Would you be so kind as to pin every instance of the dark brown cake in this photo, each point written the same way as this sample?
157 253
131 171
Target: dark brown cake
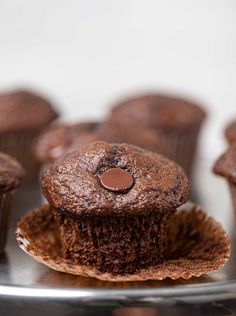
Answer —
23 115
24 110
58 139
63 138
225 166
177 122
230 132
197 245
11 174
112 202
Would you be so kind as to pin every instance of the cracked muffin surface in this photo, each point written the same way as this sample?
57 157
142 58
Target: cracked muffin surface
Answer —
73 184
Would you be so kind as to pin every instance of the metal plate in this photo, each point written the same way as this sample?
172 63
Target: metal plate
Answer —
26 284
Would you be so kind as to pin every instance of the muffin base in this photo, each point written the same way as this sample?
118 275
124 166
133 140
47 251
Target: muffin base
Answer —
19 145
5 202
197 245
115 244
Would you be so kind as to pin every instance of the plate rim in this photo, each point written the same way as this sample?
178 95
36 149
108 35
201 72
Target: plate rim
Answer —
192 290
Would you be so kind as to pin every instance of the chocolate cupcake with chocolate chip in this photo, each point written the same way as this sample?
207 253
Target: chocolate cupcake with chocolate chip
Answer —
177 122
23 115
97 192
225 166
112 215
11 174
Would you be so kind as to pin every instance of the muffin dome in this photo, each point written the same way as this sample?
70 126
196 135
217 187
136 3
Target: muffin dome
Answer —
63 138
226 165
160 111
11 173
58 139
230 132
75 183
23 110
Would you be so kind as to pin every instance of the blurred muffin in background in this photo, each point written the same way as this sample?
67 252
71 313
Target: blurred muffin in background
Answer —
230 132
11 174
60 139
176 121
23 115
225 166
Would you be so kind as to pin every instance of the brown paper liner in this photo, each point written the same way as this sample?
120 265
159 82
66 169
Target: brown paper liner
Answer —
5 202
232 187
19 145
197 245
180 147
111 243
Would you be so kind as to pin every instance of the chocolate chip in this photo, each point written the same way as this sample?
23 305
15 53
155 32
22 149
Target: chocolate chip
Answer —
117 179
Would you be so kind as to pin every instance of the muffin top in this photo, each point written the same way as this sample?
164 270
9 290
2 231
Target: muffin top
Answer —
159 111
11 173
133 134
23 110
230 132
63 138
226 164
113 179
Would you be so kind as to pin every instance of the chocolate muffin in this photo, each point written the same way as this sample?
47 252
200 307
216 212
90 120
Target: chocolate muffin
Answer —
176 121
23 115
11 174
63 138
230 132
58 139
225 166
111 203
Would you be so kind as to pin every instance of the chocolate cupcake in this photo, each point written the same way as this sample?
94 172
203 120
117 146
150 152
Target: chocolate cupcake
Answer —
11 174
95 194
63 138
176 121
225 166
23 115
230 132
58 139
112 215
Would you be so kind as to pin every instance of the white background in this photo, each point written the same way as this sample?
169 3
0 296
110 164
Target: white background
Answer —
86 53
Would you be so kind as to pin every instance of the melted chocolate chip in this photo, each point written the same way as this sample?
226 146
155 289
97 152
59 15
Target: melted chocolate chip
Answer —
117 179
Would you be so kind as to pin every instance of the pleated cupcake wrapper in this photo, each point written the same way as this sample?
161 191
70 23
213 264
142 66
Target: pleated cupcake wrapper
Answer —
5 203
42 168
180 147
197 245
19 145
87 239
